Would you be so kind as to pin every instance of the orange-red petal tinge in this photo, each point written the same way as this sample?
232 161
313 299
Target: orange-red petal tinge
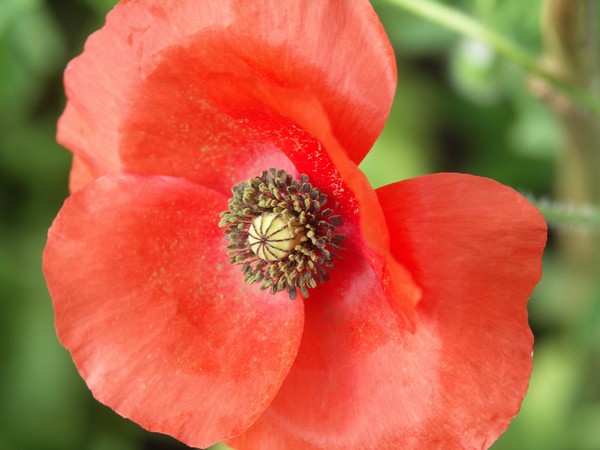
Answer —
362 381
475 248
419 338
160 325
333 50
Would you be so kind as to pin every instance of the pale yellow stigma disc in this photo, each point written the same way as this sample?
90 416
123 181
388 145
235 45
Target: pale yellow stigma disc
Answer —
271 237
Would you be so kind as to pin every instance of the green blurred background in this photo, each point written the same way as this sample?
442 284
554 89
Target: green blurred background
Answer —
459 107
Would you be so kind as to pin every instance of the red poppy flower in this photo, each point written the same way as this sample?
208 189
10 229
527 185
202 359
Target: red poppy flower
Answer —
414 333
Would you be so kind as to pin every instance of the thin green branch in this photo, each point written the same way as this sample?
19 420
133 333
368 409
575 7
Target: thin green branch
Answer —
455 20
567 215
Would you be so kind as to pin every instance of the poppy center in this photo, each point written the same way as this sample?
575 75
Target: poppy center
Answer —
271 237
280 232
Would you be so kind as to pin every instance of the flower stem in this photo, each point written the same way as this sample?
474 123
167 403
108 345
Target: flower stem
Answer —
567 215
455 20
570 32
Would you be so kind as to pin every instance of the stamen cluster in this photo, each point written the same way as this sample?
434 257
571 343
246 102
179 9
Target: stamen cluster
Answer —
299 206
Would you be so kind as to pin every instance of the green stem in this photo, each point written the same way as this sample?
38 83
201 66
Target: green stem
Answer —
461 23
586 217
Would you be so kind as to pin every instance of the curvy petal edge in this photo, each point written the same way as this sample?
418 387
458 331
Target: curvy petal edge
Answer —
81 174
159 324
362 381
356 83
505 236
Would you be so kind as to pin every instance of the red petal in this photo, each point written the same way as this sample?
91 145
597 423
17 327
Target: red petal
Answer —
191 100
160 325
260 136
362 381
335 51
81 174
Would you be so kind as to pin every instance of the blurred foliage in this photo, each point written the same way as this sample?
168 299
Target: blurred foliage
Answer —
459 107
